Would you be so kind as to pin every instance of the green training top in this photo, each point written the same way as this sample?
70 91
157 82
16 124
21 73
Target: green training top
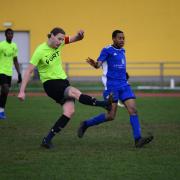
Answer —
7 53
49 63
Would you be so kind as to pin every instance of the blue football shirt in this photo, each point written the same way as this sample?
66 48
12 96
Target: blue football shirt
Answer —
114 67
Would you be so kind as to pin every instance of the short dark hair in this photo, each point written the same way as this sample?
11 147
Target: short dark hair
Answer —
114 34
56 31
8 30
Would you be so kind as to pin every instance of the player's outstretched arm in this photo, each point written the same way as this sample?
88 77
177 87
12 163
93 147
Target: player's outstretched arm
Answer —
79 36
25 81
93 63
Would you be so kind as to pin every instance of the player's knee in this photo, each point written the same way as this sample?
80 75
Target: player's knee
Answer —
132 110
73 92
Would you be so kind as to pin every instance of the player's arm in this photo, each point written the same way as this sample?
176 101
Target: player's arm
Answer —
79 36
16 64
102 58
93 63
25 81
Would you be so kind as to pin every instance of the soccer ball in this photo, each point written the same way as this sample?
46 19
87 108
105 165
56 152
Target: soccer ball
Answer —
120 104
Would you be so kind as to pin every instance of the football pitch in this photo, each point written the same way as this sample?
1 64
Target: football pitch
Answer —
106 152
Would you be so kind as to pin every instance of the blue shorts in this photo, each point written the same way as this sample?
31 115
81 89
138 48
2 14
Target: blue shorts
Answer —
124 93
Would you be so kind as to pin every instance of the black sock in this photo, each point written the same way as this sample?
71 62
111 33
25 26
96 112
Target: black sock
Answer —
3 99
60 123
88 100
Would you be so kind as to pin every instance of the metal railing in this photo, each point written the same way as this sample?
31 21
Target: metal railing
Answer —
139 71
155 71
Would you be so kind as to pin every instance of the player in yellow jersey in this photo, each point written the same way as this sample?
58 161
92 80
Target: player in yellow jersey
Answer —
47 58
8 57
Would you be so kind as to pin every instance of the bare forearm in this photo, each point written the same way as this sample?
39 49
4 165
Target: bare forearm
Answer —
79 36
25 81
74 39
26 78
98 64
93 63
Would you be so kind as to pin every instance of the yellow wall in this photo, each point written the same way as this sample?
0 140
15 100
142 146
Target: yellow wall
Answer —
152 27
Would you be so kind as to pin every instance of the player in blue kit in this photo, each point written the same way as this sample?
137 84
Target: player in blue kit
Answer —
112 59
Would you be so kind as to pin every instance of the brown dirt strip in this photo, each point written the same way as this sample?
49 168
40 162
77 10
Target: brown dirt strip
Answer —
173 94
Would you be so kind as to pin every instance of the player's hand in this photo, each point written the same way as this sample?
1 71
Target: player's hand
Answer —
91 62
21 96
80 34
19 78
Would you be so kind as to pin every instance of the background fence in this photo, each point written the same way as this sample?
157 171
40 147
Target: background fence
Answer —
145 75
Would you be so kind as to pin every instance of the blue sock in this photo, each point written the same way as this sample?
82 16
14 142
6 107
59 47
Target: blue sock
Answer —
135 126
96 120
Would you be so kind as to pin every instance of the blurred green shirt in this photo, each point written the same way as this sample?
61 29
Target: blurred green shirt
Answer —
7 53
49 63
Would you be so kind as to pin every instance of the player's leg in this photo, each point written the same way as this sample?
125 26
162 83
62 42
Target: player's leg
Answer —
128 98
86 99
55 90
68 111
99 119
134 119
5 82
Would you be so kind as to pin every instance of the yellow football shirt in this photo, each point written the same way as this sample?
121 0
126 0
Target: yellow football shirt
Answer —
48 62
7 53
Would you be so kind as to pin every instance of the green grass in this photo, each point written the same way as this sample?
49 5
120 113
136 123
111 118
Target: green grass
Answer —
106 152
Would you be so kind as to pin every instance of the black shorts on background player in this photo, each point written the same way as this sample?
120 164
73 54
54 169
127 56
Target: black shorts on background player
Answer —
4 79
